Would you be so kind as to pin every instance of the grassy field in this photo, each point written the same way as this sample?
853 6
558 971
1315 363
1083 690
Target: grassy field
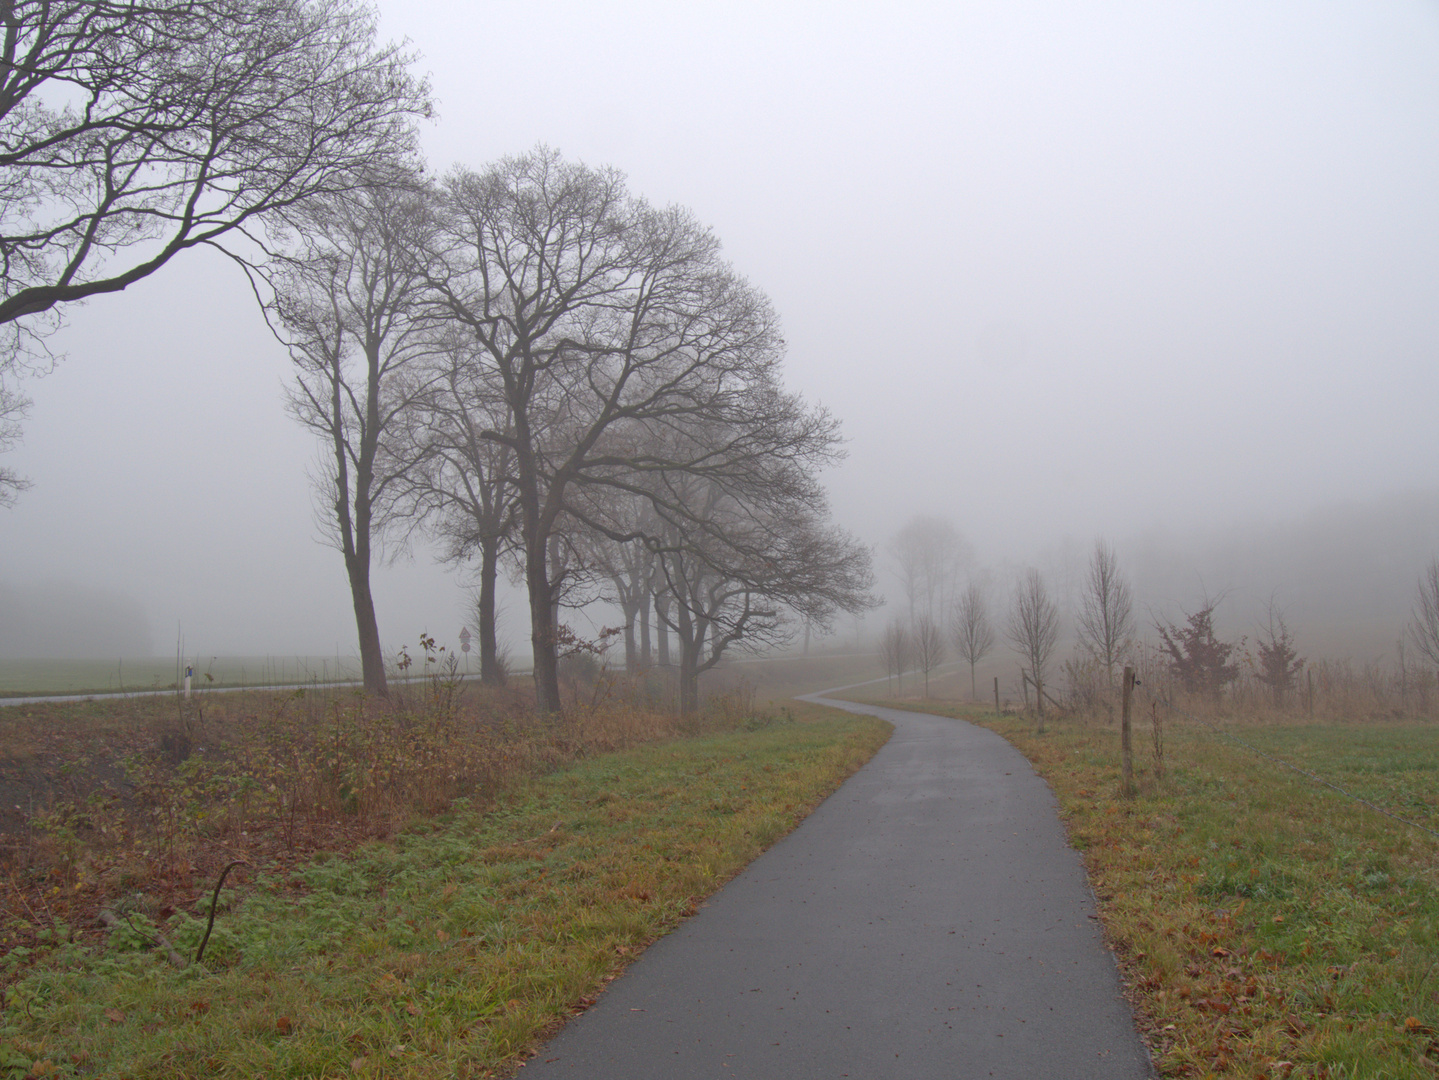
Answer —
448 947
1267 926
27 678
767 678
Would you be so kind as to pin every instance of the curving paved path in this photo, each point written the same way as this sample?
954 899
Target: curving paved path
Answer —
928 920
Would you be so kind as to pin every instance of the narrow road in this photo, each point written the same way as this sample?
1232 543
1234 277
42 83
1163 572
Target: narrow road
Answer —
928 920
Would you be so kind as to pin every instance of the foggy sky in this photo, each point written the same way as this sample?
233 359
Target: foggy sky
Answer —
1062 270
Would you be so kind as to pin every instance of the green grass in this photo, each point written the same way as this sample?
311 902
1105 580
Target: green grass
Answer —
450 951
1267 926
28 678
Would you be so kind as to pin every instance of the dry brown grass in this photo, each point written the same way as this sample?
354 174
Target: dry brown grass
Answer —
106 798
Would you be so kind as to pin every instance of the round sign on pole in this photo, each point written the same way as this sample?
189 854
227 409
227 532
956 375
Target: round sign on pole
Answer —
465 638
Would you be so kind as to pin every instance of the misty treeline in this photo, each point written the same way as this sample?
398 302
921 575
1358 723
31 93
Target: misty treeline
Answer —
950 606
547 373
525 361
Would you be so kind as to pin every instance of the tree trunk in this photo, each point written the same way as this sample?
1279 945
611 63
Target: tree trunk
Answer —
691 640
372 660
542 627
973 690
490 673
645 632
632 657
689 684
662 631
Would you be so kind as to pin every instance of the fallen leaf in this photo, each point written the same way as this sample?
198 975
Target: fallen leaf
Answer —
413 1009
284 1025
115 1016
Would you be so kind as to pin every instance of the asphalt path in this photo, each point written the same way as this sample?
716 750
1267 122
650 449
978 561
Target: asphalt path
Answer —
927 920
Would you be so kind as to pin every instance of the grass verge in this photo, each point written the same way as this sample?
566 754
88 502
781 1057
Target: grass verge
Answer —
1267 927
453 949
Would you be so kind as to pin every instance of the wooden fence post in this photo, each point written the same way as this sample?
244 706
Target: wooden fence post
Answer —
1126 750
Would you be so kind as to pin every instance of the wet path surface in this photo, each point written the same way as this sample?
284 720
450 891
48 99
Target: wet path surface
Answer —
928 920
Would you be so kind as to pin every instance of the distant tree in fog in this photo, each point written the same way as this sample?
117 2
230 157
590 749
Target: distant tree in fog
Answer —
970 629
896 648
1198 659
1106 609
1424 628
929 651
1033 627
1279 663
929 553
625 568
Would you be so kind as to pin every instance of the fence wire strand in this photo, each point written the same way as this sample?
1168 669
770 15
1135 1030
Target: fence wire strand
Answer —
1288 765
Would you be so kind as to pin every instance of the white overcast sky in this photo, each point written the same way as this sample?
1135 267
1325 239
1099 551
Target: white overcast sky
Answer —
1061 269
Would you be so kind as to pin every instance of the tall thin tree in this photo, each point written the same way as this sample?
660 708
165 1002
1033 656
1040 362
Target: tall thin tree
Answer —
971 630
1106 609
1034 628
346 301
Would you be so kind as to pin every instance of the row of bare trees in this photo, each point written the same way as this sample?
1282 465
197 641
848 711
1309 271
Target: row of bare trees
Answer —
525 361
538 368
1190 652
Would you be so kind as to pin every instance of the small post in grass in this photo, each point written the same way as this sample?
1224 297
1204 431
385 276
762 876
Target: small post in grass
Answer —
1125 749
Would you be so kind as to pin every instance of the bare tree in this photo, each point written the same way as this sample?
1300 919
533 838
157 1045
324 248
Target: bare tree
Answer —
627 569
929 552
971 631
167 125
1106 609
1424 627
747 564
345 301
929 651
460 488
1033 628
609 325
896 648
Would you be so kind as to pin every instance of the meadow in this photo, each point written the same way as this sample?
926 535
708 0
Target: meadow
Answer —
31 678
